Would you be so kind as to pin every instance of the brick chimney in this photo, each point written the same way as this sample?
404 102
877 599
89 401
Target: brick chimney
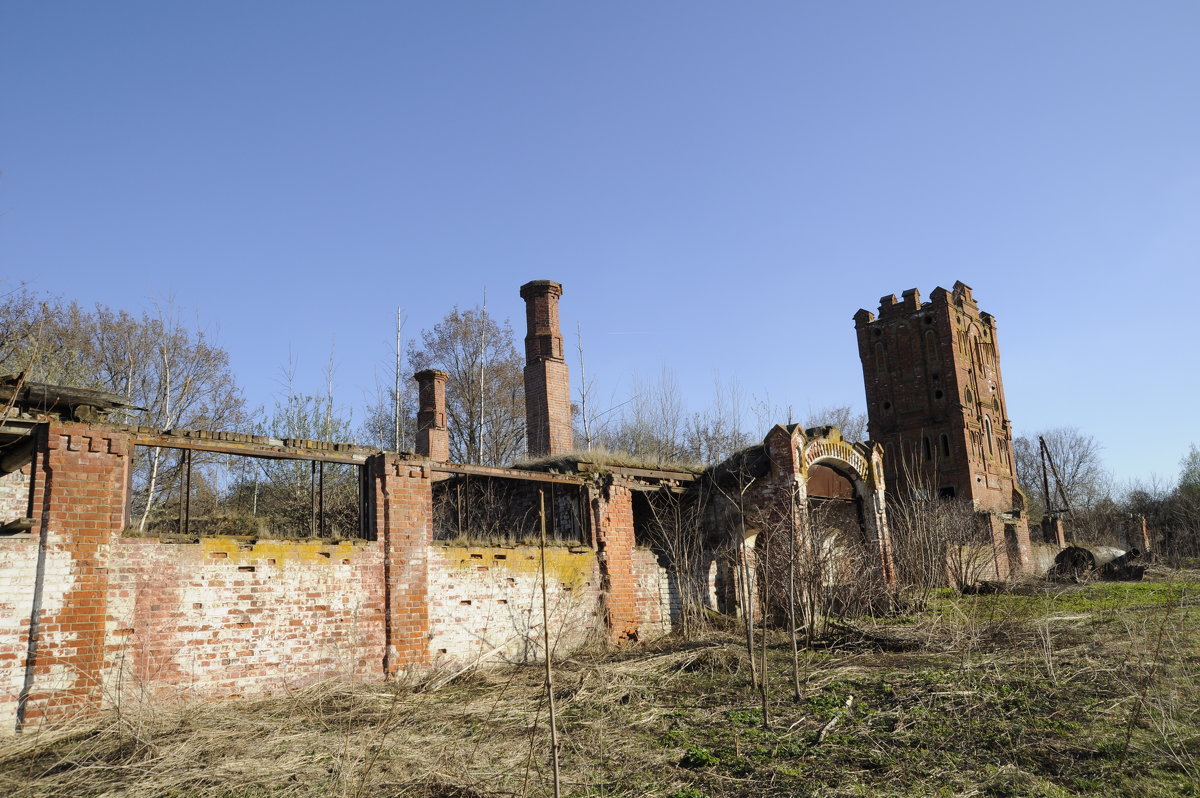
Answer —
433 437
547 388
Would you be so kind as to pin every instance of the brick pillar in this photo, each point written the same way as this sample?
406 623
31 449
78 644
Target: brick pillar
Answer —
433 437
404 525
547 387
612 507
79 498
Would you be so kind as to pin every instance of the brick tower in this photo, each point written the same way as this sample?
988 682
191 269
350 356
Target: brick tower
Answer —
547 388
935 400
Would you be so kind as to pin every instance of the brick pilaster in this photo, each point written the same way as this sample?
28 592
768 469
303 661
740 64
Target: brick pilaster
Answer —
612 506
79 497
404 524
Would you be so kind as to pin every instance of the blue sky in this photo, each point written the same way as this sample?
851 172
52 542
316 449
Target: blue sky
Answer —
718 186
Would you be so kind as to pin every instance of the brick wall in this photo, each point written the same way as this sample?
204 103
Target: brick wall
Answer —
230 617
658 600
14 494
80 493
116 618
487 601
404 523
613 508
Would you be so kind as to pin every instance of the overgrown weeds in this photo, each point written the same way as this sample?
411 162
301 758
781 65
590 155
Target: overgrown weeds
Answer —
1084 690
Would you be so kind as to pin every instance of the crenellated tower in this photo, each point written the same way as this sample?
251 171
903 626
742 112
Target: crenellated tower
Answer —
935 400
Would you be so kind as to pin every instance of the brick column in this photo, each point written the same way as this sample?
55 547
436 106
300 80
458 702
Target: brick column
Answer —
433 437
79 498
547 386
404 525
612 507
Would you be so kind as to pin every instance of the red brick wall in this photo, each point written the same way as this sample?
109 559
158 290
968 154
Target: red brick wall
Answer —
229 617
614 547
80 493
404 524
121 619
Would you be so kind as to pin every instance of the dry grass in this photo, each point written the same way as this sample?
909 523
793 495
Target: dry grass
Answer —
1065 691
568 462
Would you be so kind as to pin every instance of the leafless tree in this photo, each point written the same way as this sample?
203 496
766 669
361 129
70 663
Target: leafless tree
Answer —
1078 462
485 393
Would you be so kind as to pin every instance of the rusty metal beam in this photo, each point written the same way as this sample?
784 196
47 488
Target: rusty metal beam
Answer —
270 451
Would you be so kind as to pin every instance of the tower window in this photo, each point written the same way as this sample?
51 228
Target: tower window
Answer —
926 452
945 441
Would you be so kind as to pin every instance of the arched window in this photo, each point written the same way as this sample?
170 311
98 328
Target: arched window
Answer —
926 451
987 433
932 356
945 441
880 358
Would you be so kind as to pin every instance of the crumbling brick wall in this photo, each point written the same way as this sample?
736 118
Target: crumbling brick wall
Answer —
657 596
229 617
487 601
14 494
110 618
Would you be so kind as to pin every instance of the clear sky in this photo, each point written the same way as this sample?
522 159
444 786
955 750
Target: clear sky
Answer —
719 186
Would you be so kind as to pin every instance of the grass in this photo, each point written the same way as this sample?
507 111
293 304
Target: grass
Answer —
1063 691
567 462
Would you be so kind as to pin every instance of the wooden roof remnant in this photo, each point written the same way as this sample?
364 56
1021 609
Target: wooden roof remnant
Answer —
60 401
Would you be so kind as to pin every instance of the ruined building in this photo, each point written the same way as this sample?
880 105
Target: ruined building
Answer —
935 400
390 561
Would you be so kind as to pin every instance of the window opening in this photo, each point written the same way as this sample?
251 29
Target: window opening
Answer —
196 493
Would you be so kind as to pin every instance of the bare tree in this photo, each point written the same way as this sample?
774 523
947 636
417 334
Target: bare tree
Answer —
485 390
1077 460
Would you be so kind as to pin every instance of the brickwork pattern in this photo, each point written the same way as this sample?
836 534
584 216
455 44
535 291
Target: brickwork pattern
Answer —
658 600
935 400
404 523
547 384
119 618
433 436
615 547
487 601
228 618
14 494
80 494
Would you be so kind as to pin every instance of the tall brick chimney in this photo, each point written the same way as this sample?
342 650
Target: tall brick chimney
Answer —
433 437
547 388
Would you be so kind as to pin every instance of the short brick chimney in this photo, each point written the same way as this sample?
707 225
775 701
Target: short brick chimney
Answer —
433 437
547 387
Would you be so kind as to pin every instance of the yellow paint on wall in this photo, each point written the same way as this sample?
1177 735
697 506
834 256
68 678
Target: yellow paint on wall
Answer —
316 552
563 565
